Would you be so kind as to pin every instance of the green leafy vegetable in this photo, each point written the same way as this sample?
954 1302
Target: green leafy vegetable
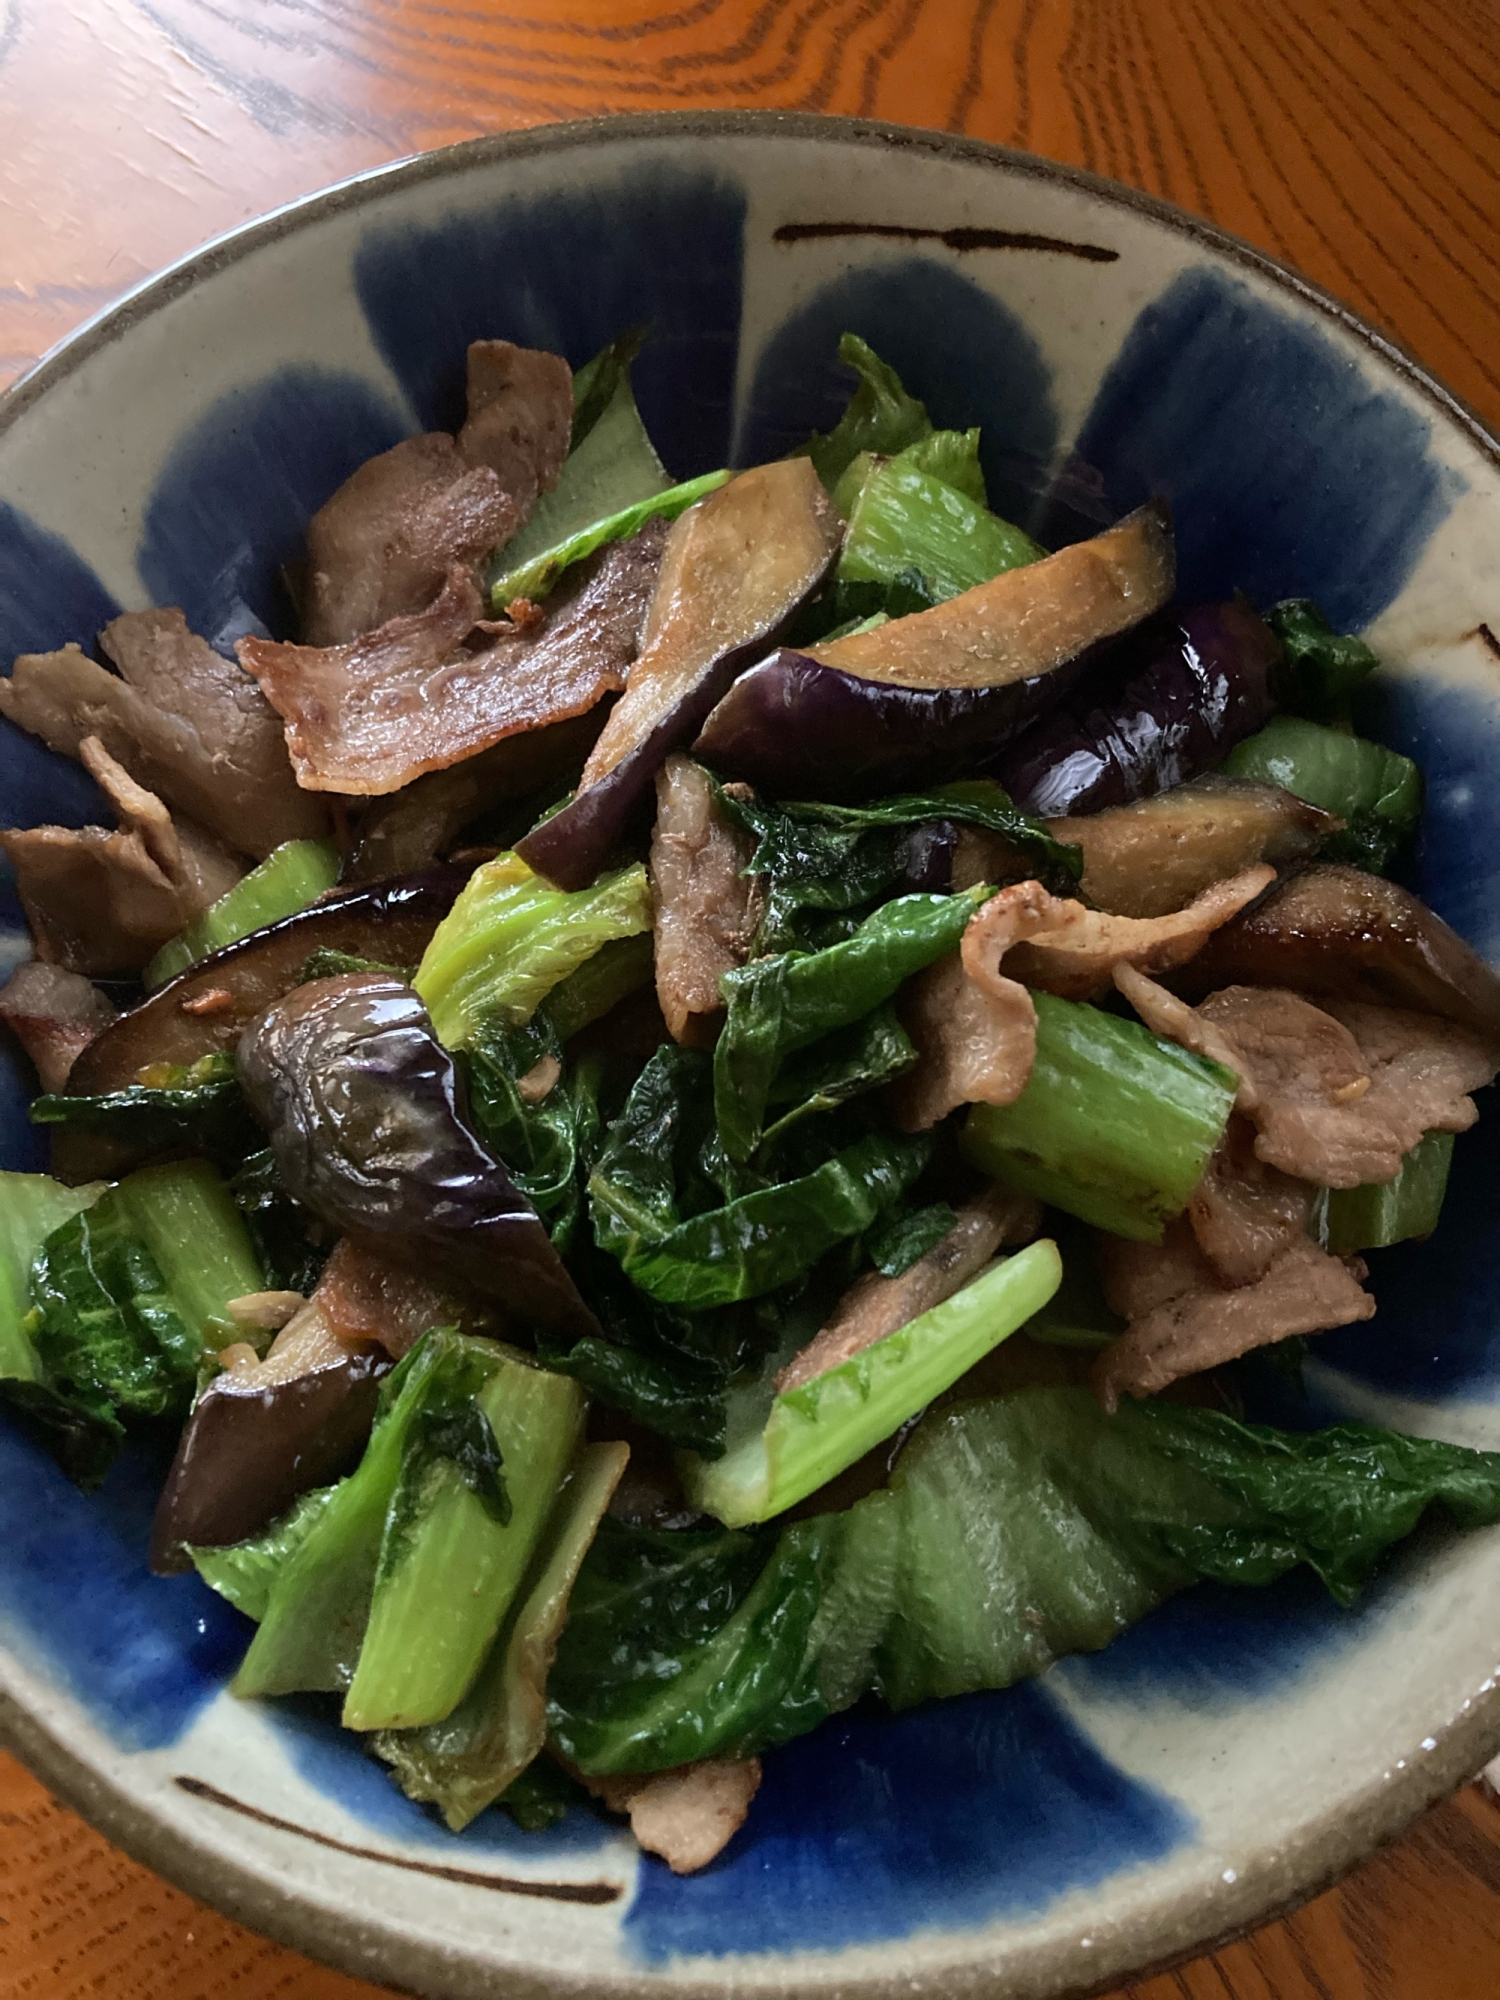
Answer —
511 937
546 1144
880 417
817 1431
1375 791
782 1004
198 1105
245 1572
542 1796
82 1437
479 1752
290 1242
538 575
846 1064
459 1536
286 881
1322 669
1014 1531
132 1291
819 864
1345 1220
1114 1126
613 973
907 518
900 1239
758 1240
326 963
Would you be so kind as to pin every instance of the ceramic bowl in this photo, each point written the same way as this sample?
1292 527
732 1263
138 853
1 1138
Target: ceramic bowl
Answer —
1236 1751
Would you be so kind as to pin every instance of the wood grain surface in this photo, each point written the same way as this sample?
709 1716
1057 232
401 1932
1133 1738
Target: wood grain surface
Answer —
1358 139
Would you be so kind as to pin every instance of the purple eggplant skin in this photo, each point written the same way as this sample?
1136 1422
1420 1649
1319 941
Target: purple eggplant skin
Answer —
796 729
573 845
389 922
363 1109
1206 685
248 1455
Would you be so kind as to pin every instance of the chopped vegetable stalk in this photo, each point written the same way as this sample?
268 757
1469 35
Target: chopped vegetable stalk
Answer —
817 1431
881 417
291 876
778 1005
953 457
1321 669
317 1602
1345 1220
479 1478
464 1763
1114 1126
905 518
189 1221
512 937
536 577
31 1207
1375 791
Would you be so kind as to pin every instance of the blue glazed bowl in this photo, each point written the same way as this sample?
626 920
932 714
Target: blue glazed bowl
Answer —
1235 1752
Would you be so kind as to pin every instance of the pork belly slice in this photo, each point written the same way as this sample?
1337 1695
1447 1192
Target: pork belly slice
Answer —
183 719
1182 1320
520 421
427 690
1244 1213
707 908
54 1015
105 902
1339 1094
687 1816
382 546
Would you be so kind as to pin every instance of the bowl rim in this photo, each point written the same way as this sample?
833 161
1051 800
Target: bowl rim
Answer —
1326 1847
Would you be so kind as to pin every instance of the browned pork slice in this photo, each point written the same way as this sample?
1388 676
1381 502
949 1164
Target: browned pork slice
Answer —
1342 1110
1243 1212
1157 855
975 1044
1175 1021
1182 1320
707 908
382 546
687 1816
520 421
184 720
369 716
1339 933
101 902
364 1297
875 1306
54 1015
410 829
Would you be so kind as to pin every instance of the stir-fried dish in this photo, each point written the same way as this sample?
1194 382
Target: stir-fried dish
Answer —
691 1100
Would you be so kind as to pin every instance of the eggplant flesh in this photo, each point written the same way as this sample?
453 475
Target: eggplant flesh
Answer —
390 922
362 1105
1342 933
1205 685
1025 621
737 568
796 728
257 1440
1153 857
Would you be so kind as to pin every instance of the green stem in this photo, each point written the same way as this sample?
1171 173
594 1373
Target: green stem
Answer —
289 878
1114 1126
1346 1220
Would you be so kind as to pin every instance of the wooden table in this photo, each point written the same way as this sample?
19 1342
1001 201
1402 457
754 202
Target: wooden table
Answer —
1359 139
